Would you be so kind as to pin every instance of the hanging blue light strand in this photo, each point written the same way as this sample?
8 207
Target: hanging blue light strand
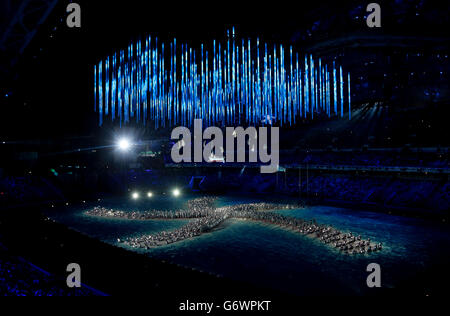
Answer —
349 99
100 94
95 88
341 86
233 84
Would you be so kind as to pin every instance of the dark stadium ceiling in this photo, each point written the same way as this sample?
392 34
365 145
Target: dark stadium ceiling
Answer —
305 24
20 21
30 29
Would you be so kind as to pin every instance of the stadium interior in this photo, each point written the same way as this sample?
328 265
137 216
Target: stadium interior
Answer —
391 157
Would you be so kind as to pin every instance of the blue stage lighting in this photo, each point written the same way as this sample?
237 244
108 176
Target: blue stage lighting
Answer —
223 83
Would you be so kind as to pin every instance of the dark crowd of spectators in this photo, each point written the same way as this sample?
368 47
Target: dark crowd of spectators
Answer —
20 278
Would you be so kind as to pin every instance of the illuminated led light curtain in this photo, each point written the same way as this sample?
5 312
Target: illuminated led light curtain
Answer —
234 82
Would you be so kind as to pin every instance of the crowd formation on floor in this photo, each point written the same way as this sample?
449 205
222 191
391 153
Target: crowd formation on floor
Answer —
207 217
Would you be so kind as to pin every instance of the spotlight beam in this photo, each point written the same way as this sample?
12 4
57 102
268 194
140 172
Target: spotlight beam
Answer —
124 144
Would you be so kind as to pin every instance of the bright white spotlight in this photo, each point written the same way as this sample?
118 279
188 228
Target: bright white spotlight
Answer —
149 194
135 195
176 192
124 144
